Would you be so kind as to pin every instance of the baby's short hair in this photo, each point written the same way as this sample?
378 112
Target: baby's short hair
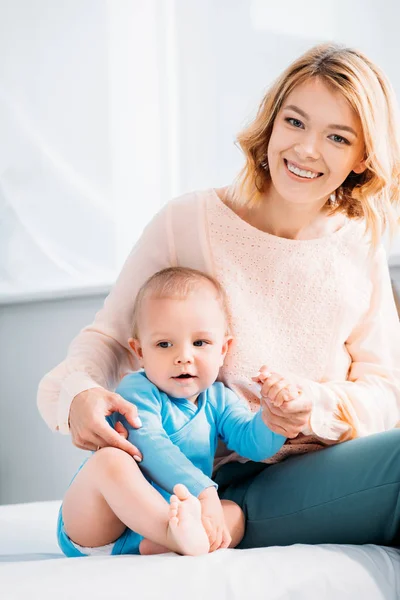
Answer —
176 282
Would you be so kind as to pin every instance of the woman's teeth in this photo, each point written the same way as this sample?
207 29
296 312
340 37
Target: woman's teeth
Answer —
301 173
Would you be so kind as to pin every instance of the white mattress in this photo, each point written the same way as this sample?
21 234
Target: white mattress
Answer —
31 567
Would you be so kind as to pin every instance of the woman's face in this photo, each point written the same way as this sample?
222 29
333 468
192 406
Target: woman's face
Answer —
316 142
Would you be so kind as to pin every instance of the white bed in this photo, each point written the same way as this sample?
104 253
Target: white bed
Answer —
31 567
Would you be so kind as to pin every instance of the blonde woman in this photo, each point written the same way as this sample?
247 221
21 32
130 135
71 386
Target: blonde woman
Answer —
296 243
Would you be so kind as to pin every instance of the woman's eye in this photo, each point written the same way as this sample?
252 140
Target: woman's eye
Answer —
339 139
200 343
295 122
164 344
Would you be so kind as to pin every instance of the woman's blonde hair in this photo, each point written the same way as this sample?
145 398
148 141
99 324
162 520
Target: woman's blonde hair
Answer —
374 194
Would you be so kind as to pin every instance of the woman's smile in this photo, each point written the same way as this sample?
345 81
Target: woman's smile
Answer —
300 173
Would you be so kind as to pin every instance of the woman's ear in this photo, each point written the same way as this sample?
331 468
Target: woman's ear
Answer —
359 167
225 347
135 345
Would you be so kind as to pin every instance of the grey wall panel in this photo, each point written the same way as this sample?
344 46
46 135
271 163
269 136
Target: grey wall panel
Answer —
35 463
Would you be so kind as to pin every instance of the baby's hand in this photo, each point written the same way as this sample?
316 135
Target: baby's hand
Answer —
212 517
275 387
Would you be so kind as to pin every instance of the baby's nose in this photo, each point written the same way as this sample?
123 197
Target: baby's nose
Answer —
185 356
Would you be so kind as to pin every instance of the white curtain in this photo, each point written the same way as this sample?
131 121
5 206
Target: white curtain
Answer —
109 108
56 219
81 139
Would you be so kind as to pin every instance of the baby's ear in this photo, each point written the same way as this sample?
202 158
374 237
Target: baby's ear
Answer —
135 345
225 347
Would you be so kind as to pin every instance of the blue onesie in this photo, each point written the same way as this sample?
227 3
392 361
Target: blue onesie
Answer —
178 441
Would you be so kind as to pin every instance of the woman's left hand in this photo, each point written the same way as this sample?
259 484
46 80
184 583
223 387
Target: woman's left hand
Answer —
286 410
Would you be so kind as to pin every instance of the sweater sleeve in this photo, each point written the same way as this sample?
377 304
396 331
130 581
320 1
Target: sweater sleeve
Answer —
163 462
100 355
369 400
245 432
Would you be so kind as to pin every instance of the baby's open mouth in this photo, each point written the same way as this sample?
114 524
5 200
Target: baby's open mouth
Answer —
184 376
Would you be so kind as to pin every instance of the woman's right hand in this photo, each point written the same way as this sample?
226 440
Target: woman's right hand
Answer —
285 409
89 428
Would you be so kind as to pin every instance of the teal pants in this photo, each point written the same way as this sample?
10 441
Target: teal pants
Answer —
343 494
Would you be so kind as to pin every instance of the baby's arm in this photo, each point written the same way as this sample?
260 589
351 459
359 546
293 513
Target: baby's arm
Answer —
243 431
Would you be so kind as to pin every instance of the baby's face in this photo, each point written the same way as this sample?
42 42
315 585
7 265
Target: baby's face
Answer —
182 342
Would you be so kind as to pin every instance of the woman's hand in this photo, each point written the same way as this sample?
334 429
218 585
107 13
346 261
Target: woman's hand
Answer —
212 517
89 428
286 410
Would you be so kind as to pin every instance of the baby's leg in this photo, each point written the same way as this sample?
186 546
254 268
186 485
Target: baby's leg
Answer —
110 494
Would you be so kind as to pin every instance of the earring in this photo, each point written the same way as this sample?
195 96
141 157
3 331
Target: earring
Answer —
333 200
265 165
336 197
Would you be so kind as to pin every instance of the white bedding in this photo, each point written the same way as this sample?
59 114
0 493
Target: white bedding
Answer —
32 567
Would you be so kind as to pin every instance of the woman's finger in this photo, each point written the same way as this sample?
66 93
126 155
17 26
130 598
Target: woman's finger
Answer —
86 440
95 444
117 404
84 446
290 410
289 428
110 437
271 422
290 423
119 428
301 405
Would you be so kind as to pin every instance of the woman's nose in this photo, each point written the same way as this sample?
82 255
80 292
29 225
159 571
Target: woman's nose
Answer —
309 148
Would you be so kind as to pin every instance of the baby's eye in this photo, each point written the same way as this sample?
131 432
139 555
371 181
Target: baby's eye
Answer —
295 122
200 343
164 344
339 139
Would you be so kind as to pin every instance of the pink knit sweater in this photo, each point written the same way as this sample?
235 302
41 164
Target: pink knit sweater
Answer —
320 311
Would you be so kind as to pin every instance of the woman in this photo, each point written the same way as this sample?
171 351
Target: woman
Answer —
296 244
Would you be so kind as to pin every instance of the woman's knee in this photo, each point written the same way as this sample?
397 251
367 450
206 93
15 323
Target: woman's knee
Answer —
386 447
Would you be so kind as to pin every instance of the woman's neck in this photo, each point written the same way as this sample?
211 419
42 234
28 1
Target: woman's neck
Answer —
274 215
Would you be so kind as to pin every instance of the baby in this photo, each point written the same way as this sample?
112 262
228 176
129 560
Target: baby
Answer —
115 505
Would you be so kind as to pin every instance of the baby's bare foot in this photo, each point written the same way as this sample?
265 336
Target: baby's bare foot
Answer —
185 530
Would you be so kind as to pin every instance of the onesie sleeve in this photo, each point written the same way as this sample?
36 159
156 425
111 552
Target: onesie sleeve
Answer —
163 462
100 356
369 400
243 431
